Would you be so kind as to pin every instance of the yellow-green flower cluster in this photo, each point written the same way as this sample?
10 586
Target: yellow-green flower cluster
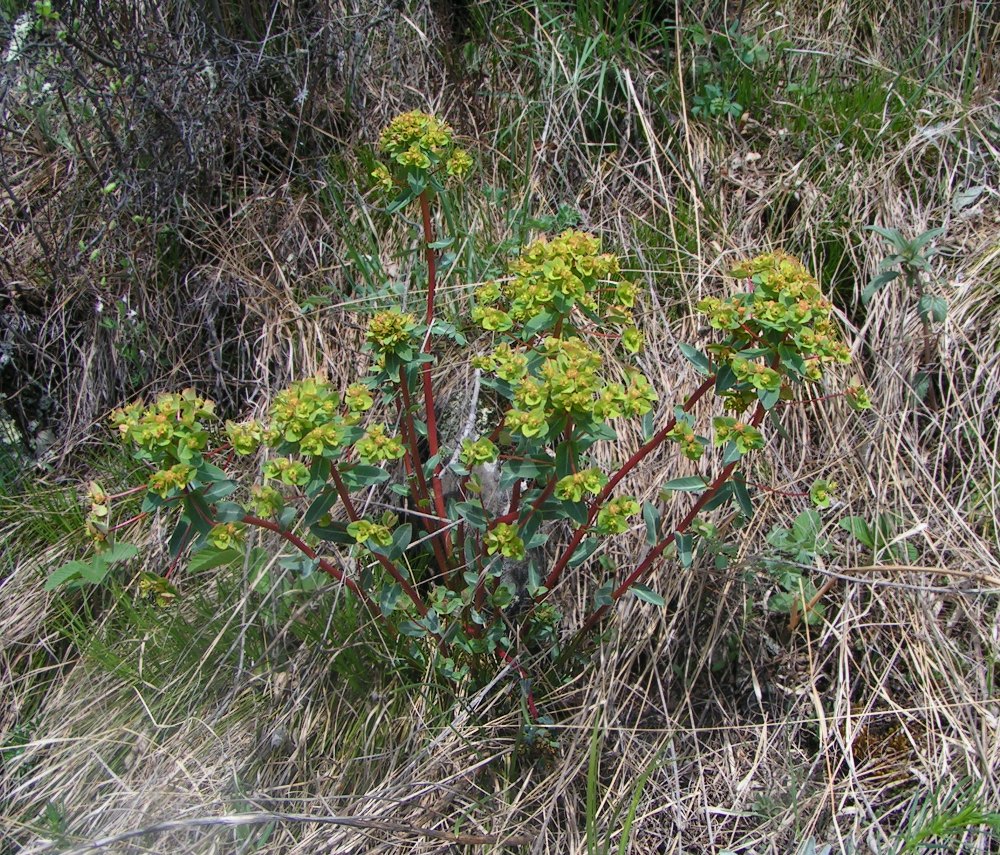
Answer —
573 487
745 437
358 398
420 141
245 438
365 531
171 427
783 306
857 397
568 381
505 540
478 451
226 535
613 517
555 276
166 482
307 414
822 491
266 501
290 472
376 445
391 331
683 434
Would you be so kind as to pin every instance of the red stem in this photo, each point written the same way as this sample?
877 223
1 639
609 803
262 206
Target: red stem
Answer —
530 698
629 465
425 371
657 551
328 568
387 565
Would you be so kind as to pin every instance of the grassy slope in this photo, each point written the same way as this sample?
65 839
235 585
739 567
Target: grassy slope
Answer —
869 727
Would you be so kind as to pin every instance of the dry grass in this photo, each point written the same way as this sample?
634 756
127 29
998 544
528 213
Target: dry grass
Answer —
222 728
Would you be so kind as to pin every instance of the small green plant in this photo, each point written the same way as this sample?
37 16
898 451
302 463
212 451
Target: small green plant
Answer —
911 261
444 534
725 57
880 537
940 821
795 550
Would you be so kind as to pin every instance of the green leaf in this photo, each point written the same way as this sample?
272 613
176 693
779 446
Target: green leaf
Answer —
540 322
583 551
647 595
209 472
400 540
575 511
742 494
725 379
684 548
444 243
335 532
806 527
228 512
730 454
566 456
95 570
359 475
691 484
858 527
66 573
299 563
768 397
209 559
473 514
697 359
180 537
877 284
648 426
932 307
198 512
651 516
119 552
603 595
389 598
218 490
319 506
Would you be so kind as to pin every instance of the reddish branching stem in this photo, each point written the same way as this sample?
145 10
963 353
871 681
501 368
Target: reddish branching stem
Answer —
388 566
653 555
644 450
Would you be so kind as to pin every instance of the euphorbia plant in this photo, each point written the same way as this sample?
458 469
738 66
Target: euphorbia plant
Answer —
465 577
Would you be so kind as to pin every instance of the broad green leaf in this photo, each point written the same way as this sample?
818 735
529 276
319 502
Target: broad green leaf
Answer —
95 570
691 484
877 284
319 506
725 379
742 494
229 512
768 397
359 475
66 573
473 514
602 597
583 551
697 359
218 490
209 559
647 595
932 307
858 527
119 552
389 598
651 516
685 548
